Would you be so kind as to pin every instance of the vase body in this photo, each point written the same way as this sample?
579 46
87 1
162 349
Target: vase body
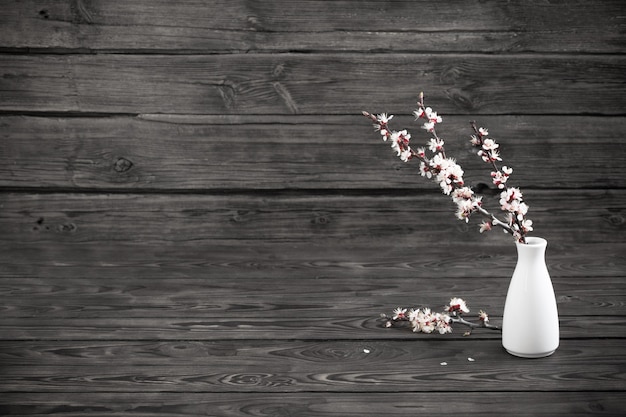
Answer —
530 323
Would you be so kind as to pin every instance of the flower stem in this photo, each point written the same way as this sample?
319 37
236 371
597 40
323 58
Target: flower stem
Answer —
495 221
461 320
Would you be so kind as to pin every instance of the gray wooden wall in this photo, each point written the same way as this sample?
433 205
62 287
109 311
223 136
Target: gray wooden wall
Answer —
149 147
158 133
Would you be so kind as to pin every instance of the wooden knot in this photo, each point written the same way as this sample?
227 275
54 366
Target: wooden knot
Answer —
616 220
40 224
321 220
122 165
67 227
278 71
263 380
239 217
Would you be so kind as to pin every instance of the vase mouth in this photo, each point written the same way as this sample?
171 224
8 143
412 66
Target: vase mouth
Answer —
534 241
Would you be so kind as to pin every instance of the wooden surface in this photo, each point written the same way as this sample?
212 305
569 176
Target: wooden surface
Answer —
195 219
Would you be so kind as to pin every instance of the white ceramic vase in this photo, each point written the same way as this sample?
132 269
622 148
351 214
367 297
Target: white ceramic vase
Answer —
530 323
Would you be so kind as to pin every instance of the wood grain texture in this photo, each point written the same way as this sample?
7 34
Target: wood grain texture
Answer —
308 84
239 25
196 153
496 404
339 366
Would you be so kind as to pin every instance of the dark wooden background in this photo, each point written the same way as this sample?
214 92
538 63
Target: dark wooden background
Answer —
195 219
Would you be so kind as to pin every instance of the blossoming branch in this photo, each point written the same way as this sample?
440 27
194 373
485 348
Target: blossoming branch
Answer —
449 175
425 321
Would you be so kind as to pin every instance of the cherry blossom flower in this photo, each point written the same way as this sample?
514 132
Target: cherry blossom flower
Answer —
485 226
457 305
425 321
499 178
446 186
381 124
526 226
400 141
463 193
439 162
464 209
449 174
511 194
429 126
413 319
435 145
490 145
511 201
482 316
432 118
491 155
383 119
443 323
399 313
432 115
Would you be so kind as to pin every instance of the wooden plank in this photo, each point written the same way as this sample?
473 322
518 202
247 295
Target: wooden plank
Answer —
301 260
238 25
348 366
355 219
278 328
298 354
317 219
95 297
333 235
349 219
192 153
496 404
312 83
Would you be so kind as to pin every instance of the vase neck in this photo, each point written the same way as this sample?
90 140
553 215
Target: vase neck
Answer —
534 248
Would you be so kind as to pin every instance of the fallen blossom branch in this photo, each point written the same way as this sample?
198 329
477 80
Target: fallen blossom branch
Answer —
425 321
